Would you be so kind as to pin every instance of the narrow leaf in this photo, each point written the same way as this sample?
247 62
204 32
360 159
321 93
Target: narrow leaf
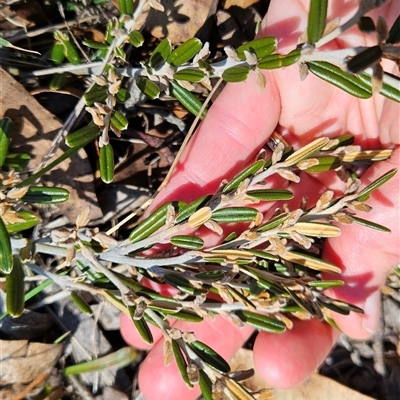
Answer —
187 99
391 92
119 359
15 290
325 284
45 195
141 326
187 242
211 276
316 229
95 45
209 356
147 87
26 220
185 52
343 80
187 316
153 222
306 151
5 135
191 208
136 38
96 94
261 47
249 171
270 194
261 322
365 193
274 222
57 53
394 33
190 75
125 6
316 20
370 224
81 303
274 61
365 59
205 386
180 362
160 53
234 214
84 135
311 262
236 74
106 161
325 163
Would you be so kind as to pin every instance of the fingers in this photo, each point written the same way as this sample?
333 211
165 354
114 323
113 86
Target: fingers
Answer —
286 360
236 127
366 255
159 382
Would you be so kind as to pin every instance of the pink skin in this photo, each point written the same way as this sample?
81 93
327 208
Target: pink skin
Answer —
237 126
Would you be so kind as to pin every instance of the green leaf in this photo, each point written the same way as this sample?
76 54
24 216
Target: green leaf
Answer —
15 290
70 52
141 326
5 136
119 121
316 20
365 59
270 194
191 208
236 74
95 45
136 38
147 87
6 258
160 53
211 276
153 222
394 33
122 95
209 356
365 193
57 53
180 282
325 284
96 94
81 303
274 61
84 135
187 316
325 163
180 362
388 91
18 161
261 47
125 7
238 179
234 214
342 140
370 224
119 359
274 222
187 99
343 80
261 322
29 220
45 195
187 242
190 75
185 52
58 81
106 161
205 385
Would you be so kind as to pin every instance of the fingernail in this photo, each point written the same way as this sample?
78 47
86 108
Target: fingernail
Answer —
371 313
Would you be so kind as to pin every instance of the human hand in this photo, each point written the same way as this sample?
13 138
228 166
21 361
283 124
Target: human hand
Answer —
236 127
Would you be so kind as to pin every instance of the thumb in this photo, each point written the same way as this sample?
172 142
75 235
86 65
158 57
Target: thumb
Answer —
366 255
